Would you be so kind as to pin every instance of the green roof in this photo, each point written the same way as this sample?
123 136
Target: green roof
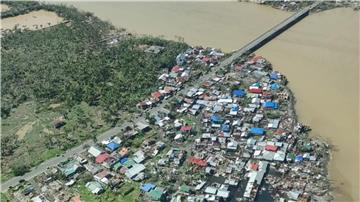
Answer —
117 166
184 188
291 156
250 95
69 168
173 74
129 163
93 185
307 147
189 121
155 194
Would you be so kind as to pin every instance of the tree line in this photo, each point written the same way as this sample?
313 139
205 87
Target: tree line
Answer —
19 8
67 63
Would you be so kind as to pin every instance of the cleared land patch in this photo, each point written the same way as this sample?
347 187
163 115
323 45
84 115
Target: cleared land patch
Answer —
36 139
24 130
55 105
4 7
32 21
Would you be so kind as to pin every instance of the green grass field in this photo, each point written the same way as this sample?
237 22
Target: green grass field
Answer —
108 195
4 197
31 128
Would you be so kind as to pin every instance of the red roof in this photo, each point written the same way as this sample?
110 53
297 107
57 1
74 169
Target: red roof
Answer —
176 69
181 79
206 59
239 67
123 170
188 100
255 90
255 59
168 89
279 132
185 128
254 166
267 94
271 148
207 97
75 199
103 174
156 94
197 161
206 84
102 157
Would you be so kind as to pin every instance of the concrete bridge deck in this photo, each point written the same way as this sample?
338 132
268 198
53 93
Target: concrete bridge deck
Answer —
272 33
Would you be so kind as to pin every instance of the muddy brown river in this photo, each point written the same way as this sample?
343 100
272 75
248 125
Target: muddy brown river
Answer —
319 55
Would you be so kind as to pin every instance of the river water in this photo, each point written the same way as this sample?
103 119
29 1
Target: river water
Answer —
319 55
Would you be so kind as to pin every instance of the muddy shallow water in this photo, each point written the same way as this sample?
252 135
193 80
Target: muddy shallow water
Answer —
32 21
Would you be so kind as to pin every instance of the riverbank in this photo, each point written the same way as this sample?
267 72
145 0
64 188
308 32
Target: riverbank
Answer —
328 193
316 45
242 21
294 6
300 55
306 52
33 21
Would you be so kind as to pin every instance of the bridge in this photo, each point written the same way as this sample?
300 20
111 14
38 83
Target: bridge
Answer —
272 33
250 47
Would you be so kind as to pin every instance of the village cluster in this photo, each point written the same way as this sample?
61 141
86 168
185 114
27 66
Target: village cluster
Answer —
234 137
175 77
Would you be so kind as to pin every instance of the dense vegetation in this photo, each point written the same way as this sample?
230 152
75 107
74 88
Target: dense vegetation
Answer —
19 8
72 64
67 63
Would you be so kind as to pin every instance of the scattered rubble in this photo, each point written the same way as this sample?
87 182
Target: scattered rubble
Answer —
234 137
174 78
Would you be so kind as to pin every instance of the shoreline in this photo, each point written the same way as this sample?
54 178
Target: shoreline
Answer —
294 6
341 180
328 157
330 194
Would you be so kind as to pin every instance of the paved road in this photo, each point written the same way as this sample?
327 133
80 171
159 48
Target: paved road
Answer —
35 171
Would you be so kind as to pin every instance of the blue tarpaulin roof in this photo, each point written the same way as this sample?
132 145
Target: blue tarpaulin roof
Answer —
257 131
239 93
113 146
123 160
274 76
234 108
147 187
271 105
274 86
225 128
216 119
299 158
